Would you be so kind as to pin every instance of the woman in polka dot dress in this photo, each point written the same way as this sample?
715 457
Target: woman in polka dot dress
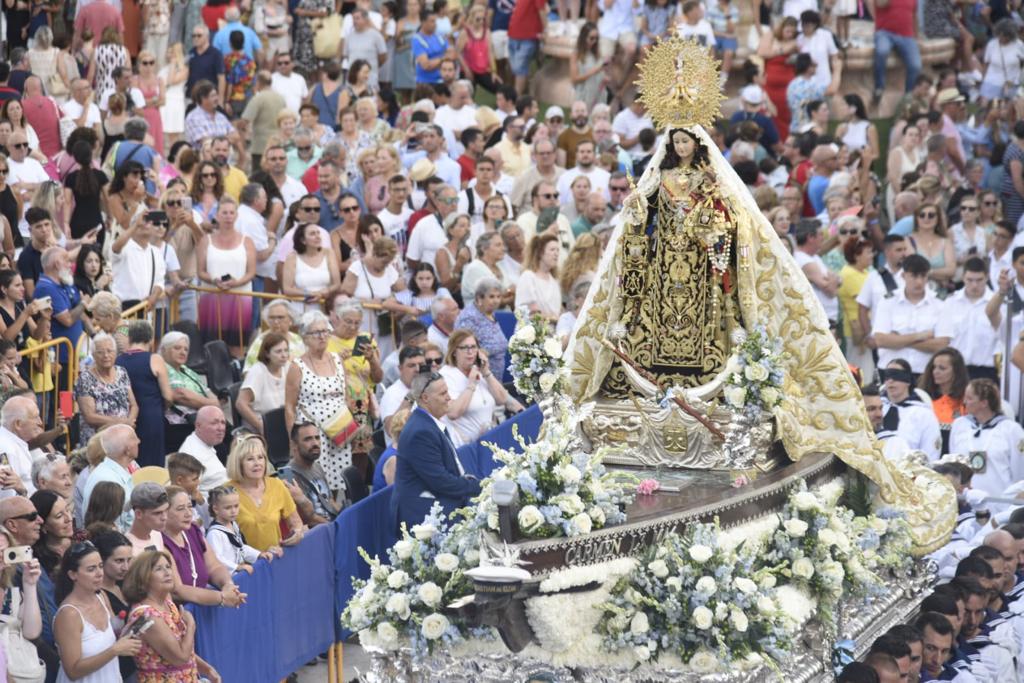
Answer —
315 392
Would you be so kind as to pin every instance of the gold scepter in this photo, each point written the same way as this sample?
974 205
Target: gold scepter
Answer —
683 405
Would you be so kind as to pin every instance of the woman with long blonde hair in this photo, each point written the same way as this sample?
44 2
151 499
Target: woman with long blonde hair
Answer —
581 264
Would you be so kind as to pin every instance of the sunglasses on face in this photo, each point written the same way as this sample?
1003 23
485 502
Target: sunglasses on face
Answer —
349 209
968 208
28 516
310 208
147 63
927 214
174 203
991 203
850 232
307 148
209 175
549 195
20 145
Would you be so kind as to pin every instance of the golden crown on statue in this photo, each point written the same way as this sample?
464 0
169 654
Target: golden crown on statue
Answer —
680 85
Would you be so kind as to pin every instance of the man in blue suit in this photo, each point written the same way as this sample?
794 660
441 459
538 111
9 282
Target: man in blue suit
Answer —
428 467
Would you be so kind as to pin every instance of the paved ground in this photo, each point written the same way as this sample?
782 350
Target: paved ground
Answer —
354 657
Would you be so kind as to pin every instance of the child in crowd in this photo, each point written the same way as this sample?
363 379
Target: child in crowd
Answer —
226 538
186 471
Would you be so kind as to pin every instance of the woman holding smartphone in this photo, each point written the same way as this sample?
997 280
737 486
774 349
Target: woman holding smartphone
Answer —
474 389
83 627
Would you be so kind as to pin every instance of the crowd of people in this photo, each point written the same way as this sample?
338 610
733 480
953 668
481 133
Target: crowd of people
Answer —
351 196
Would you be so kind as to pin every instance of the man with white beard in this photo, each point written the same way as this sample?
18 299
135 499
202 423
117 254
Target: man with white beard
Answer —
58 284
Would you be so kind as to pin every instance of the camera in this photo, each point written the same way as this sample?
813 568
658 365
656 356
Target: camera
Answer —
18 554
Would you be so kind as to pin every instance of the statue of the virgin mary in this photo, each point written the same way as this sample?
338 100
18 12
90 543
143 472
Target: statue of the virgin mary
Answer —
691 265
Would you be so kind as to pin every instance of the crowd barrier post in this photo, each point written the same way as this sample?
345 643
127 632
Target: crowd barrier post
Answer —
41 368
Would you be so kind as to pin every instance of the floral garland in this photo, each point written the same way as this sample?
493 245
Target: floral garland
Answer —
562 490
536 357
401 605
755 374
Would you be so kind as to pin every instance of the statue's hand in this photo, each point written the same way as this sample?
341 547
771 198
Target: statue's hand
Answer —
635 207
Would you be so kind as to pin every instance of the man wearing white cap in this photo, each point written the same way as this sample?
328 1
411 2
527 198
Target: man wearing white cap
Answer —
752 99
554 117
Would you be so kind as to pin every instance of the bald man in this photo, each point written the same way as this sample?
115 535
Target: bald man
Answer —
1006 544
202 445
122 448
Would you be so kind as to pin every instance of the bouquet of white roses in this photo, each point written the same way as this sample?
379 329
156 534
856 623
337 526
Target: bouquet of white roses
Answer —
536 357
693 598
403 604
562 490
755 374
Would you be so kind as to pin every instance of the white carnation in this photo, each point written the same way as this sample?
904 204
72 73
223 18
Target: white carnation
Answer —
530 518
424 532
803 568
658 568
700 553
446 562
639 625
795 527
387 633
553 347
736 396
805 500
739 620
403 549
706 585
704 661
569 474
398 604
526 334
434 626
547 382
744 585
582 522
703 618
397 579
430 593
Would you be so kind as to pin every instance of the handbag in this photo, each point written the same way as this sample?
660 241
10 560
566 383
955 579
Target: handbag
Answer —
341 427
327 36
23 663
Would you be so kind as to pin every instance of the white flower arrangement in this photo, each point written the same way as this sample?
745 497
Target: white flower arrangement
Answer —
401 603
537 367
755 374
562 490
690 598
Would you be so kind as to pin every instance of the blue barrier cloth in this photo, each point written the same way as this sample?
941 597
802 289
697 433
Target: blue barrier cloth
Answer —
366 525
286 621
529 422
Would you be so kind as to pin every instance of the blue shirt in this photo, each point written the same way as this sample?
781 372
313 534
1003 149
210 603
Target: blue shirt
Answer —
903 226
222 41
109 470
140 152
433 46
502 13
378 472
64 298
816 187
330 214
206 66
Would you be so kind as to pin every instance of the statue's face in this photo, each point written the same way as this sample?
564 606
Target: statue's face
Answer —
684 145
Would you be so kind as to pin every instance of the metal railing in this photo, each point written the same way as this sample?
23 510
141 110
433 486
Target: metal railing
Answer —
41 368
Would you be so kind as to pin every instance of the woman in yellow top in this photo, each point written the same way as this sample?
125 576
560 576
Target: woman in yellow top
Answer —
859 254
945 380
265 501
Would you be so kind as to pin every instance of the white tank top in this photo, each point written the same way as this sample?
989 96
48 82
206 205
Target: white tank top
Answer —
220 262
856 136
310 279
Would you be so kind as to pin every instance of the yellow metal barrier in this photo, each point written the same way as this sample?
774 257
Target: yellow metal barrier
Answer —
42 368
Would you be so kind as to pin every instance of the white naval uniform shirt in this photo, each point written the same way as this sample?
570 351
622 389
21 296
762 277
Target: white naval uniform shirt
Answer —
1002 440
973 334
918 427
898 315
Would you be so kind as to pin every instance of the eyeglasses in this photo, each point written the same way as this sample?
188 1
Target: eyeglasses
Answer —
349 209
927 214
548 195
427 362
198 34
20 145
28 516
147 63
319 333
306 148
968 208
448 201
209 175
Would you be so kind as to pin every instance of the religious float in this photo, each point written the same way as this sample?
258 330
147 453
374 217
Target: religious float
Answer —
706 499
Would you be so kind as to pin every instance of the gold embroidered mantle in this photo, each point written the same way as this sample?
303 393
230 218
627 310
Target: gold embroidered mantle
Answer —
823 410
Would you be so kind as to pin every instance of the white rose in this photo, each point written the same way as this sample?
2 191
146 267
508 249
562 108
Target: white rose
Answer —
446 562
597 514
744 585
675 583
553 347
803 568
547 382
387 633
739 620
658 568
398 604
424 532
795 527
430 593
805 500
569 474
570 505
642 653
356 614
736 396
755 373
706 585
700 553
583 523
526 334
827 537
765 605
639 625
530 518
403 549
703 618
770 396
397 579
704 661
434 626
768 581
721 611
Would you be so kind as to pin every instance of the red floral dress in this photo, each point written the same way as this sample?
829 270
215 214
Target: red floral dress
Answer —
151 666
